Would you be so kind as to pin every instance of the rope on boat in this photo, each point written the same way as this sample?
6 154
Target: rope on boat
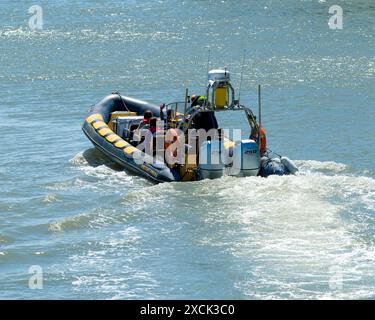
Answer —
122 100
270 151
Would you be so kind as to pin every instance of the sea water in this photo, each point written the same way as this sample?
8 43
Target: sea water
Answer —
96 231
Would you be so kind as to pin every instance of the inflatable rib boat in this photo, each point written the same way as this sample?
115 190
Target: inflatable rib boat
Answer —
181 141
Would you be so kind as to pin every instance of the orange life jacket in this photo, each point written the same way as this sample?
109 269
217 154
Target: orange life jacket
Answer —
263 141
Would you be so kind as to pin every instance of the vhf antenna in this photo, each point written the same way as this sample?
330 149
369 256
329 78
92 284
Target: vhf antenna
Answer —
242 69
208 70
259 113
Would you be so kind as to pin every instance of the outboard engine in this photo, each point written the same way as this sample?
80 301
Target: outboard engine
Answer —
211 165
246 158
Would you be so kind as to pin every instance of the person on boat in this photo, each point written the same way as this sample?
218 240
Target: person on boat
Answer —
145 124
194 100
263 140
201 121
153 123
141 132
150 136
197 100
162 107
171 137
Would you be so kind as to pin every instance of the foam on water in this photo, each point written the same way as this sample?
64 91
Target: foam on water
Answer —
291 236
129 282
303 236
108 175
307 166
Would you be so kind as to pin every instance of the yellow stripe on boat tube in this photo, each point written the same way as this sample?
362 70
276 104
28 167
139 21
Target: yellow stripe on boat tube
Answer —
93 117
105 131
130 149
99 124
96 120
121 144
112 137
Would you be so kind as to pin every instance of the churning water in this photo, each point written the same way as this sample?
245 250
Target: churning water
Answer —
99 232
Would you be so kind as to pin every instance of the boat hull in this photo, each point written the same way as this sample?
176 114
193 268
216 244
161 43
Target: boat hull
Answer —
95 127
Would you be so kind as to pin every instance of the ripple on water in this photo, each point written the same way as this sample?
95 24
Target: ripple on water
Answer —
50 198
113 267
85 220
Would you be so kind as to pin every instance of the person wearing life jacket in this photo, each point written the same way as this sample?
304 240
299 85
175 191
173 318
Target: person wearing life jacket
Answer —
263 140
